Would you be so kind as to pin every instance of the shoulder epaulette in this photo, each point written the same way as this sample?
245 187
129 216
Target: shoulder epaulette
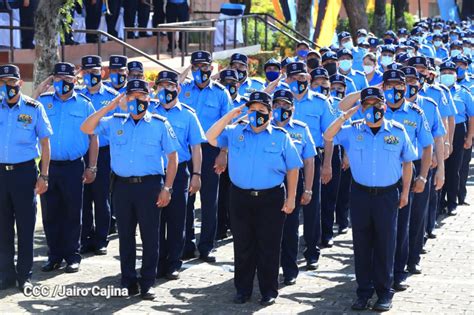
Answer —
163 119
31 102
83 96
465 88
398 125
220 86
416 108
192 110
280 128
299 123
111 90
258 80
443 87
47 93
359 72
245 99
357 122
120 115
429 99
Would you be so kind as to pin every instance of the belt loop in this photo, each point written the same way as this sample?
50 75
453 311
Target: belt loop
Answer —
9 167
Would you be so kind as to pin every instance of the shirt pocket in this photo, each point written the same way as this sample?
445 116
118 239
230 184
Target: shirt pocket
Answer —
180 129
25 132
151 146
273 155
210 109
77 116
313 121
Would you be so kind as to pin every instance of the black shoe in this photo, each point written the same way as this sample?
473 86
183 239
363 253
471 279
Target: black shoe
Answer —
382 305
113 229
86 249
414 269
6 284
173 275
431 236
25 285
400 286
148 294
207 258
289 281
423 251
188 256
452 212
50 266
327 244
132 290
221 236
463 203
72 268
267 301
311 266
101 251
343 230
360 304
241 299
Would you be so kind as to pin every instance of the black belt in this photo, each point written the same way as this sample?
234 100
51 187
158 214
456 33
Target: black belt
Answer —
63 163
135 179
259 193
12 167
376 190
105 148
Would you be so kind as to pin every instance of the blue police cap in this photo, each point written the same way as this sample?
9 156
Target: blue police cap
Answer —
412 43
64 68
329 55
314 52
239 58
302 43
390 33
394 66
229 74
260 97
137 86
296 68
402 31
201 56
447 65
284 95
135 66
388 41
373 41
402 57
371 92
461 58
455 43
393 75
440 36
361 32
272 62
344 52
416 30
338 78
9 71
438 25
117 62
343 35
167 76
91 61
319 73
324 50
418 61
286 61
410 72
388 48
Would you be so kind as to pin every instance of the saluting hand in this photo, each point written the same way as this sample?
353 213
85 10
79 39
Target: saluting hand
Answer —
41 186
236 112
42 87
164 199
289 205
272 85
119 100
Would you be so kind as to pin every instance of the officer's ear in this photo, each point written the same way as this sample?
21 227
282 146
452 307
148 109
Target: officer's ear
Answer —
308 78
211 68
20 83
178 88
102 73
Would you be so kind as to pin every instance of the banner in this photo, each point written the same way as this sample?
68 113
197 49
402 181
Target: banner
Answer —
448 10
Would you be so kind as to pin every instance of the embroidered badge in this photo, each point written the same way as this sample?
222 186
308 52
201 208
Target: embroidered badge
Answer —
296 136
50 106
172 134
409 123
391 140
25 119
241 138
359 138
187 94
120 132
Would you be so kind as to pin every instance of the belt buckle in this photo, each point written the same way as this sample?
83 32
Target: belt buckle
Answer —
9 167
254 193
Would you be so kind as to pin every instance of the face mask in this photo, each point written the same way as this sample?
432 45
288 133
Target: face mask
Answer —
242 75
416 38
437 32
455 52
411 91
348 45
167 96
453 38
386 60
374 115
394 95
345 65
437 43
363 51
62 87
232 88
466 51
302 53
281 114
272 75
360 40
422 79
10 91
321 89
429 80
338 94
117 78
91 79
312 63
136 107
368 69
258 119
200 76
298 87
331 68
402 39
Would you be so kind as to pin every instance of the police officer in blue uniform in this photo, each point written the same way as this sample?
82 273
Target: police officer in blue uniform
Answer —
211 101
374 145
139 143
25 130
135 70
283 110
346 60
239 62
259 200
320 81
96 215
371 70
189 134
330 62
61 205
272 69
440 50
313 60
118 73
387 56
357 53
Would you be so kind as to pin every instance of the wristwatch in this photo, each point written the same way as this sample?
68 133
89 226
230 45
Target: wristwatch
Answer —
424 180
168 189
197 174
343 117
309 192
44 177
93 169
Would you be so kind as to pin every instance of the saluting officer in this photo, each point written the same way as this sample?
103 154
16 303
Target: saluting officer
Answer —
61 205
239 62
211 101
96 223
376 148
283 110
138 141
25 130
260 156
118 73
272 69
189 134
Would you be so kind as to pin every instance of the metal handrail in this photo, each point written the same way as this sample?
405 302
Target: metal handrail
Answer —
11 27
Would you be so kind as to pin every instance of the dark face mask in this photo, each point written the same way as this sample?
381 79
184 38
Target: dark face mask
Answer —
232 88
312 63
201 77
91 79
258 119
331 68
394 95
62 87
411 91
373 114
322 89
429 80
118 78
167 96
136 107
422 79
338 94
10 91
298 87
242 75
281 114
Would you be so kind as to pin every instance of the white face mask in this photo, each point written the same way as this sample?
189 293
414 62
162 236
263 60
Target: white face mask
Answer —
368 69
361 39
437 43
437 32
386 60
348 45
467 51
455 52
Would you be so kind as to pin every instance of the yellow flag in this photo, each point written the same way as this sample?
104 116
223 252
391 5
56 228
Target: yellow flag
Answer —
370 5
278 11
329 24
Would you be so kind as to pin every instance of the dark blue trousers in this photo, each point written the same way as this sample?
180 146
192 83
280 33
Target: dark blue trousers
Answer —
17 206
96 204
209 194
432 211
173 219
463 174
342 204
223 204
329 194
61 207
136 204
93 15
374 232
289 242
312 217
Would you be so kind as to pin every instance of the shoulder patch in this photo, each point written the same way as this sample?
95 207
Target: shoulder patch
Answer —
416 108
398 125
31 102
110 90
443 87
120 115
84 97
217 84
159 117
192 110
430 100
280 128
300 123
48 93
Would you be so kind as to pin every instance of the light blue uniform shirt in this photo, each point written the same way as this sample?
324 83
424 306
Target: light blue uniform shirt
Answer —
123 89
301 137
21 126
358 54
315 110
186 126
376 160
100 99
250 85
463 101
426 51
441 96
136 149
360 81
68 142
441 53
377 78
258 160
350 85
430 109
210 103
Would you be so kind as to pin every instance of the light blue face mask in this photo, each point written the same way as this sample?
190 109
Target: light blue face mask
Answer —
448 79
345 65
437 43
455 52
386 60
467 51
361 39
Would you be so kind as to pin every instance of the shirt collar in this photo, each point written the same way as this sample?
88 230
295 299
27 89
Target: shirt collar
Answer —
207 86
73 95
269 128
147 117
178 106
385 126
18 104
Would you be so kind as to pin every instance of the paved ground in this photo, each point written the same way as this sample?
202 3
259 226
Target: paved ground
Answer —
446 285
